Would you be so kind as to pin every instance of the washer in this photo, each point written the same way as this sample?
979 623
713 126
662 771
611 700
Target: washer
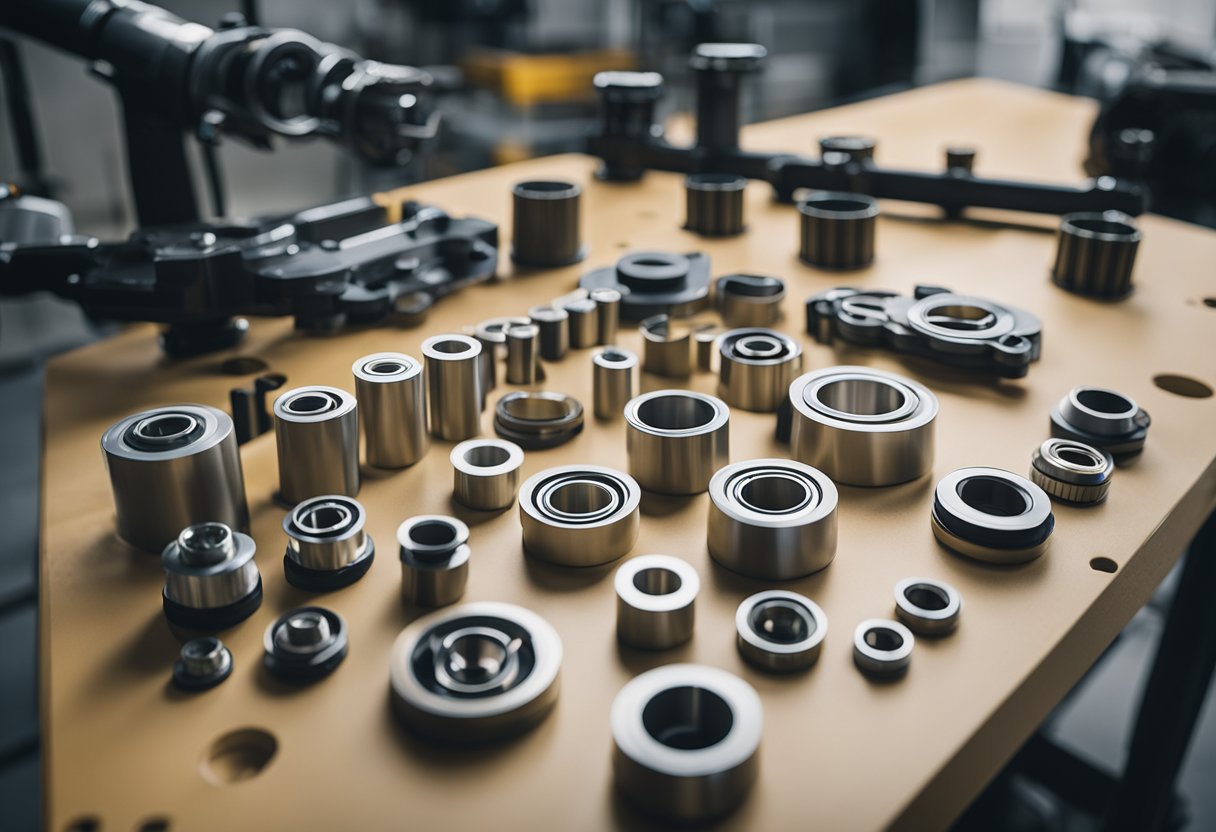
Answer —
992 515
579 515
928 607
655 601
882 648
780 631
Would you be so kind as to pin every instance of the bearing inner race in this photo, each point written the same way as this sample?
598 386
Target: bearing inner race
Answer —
675 413
853 397
782 621
311 403
580 498
164 431
773 491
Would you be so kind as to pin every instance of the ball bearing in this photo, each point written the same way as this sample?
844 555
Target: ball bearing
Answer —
327 547
1071 471
928 607
992 515
780 631
655 601
579 515
756 367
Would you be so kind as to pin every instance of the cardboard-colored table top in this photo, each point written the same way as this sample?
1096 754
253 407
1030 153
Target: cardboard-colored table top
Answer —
839 752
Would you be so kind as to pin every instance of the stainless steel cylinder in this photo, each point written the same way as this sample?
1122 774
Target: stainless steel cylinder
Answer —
614 374
545 228
862 426
492 335
749 299
666 347
838 230
434 560
656 599
882 648
554 326
756 367
1096 253
327 545
927 606
579 515
392 405
523 354
607 314
780 631
714 203
172 467
705 339
773 519
536 419
584 323
676 440
316 430
486 473
1072 472
992 515
211 577
453 386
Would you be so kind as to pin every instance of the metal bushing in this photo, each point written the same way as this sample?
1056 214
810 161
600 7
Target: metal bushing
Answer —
316 430
584 324
211 577
171 467
475 673
666 347
756 367
607 314
523 354
928 607
773 519
686 741
434 560
749 299
780 631
305 644
654 283
554 325
545 231
202 664
454 393
537 420
656 599
714 204
579 515
862 426
614 377
1103 418
486 473
882 648
676 440
1071 471
1095 254
392 405
327 547
705 345
992 515
492 335
838 230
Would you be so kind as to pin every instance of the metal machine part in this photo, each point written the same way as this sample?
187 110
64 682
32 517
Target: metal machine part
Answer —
749 299
780 631
211 577
486 473
202 664
714 204
546 226
475 673
656 599
392 405
666 347
958 330
862 426
584 322
171 467
327 546
492 334
676 440
453 372
992 515
756 367
305 644
773 519
686 741
860 148
1095 254
705 343
655 283
250 411
554 326
535 420
1103 418
434 560
316 430
1072 471
882 648
928 607
579 515
523 354
607 314
837 230
614 379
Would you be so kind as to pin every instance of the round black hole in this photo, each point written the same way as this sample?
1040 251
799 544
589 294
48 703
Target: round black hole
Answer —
883 639
1191 388
243 365
656 581
927 597
1103 564
990 495
433 533
1104 401
687 718
676 412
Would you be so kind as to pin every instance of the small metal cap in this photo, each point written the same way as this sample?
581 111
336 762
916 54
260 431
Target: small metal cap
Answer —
1072 471
305 644
882 648
203 664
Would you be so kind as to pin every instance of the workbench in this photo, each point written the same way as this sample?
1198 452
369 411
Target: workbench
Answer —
122 748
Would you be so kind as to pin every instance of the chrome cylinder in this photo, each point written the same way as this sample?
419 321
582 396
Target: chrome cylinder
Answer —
523 354
453 386
607 314
327 546
492 335
676 440
392 405
554 326
584 323
211 577
655 601
316 430
666 347
579 515
756 367
434 560
838 230
749 299
613 381
486 473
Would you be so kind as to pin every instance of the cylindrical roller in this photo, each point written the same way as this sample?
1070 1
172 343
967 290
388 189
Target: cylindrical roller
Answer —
316 430
453 385
170 468
523 354
211 577
756 367
492 334
676 440
666 347
327 546
780 631
486 473
545 228
392 404
434 560
1096 253
715 204
579 515
749 299
613 380
655 601
838 230
607 314
554 326
584 323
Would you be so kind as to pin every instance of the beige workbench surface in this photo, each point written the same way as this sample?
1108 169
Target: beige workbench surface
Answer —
839 752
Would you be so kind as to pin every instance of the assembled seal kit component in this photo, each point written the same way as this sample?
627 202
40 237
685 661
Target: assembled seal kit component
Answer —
838 230
1103 418
780 631
607 314
202 664
486 473
756 367
305 644
545 230
613 381
862 426
666 347
882 648
773 519
392 404
475 673
211 578
749 299
928 607
992 515
434 560
656 599
579 515
676 440
327 547
714 204
584 327
1095 254
537 420
686 740
170 467
316 430
454 393
523 354
1072 472
655 283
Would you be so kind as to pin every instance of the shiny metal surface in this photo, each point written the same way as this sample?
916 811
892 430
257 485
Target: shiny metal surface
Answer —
714 204
208 566
326 533
756 367
305 644
545 224
614 378
837 230
676 440
486 473
453 386
579 515
780 631
535 419
316 430
554 326
666 347
1072 471
607 314
928 606
584 322
1095 254
992 515
656 599
746 300
492 335
1103 418
434 553
882 647
392 404
523 354
705 345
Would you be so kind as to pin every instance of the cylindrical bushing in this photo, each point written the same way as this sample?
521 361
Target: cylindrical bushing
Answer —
655 601
1096 253
523 354
545 228
607 314
614 374
756 367
579 515
392 404
714 204
584 323
453 386
862 426
780 631
434 560
172 467
554 327
316 430
666 347
211 577
838 230
749 299
327 545
486 473
492 334
676 440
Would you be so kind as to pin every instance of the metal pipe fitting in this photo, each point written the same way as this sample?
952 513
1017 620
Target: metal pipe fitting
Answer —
554 326
928 607
756 367
535 420
305 644
211 577
202 664
545 231
171 467
1095 254
327 547
838 230
607 314
992 515
714 203
392 405
1103 418
655 601
1072 472
882 648
666 347
434 560
492 335
579 515
454 393
613 381
316 430
584 323
862 426
676 440
523 354
780 631
486 473
749 299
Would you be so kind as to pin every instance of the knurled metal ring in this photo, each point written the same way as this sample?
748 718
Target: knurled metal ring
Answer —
1072 471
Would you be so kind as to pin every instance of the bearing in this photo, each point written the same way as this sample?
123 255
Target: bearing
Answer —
928 607
536 420
756 367
655 601
211 578
1072 472
780 631
1103 418
305 644
992 515
327 547
434 560
317 434
486 473
882 648
202 664
676 440
579 515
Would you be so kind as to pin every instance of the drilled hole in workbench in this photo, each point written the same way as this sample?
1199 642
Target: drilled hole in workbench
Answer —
1101 564
238 755
1191 388
1210 302
155 825
87 824
243 365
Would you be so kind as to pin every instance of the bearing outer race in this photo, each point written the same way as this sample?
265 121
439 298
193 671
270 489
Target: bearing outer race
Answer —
768 654
579 544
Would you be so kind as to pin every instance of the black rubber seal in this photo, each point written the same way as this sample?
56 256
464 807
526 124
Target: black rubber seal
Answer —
184 681
993 538
305 667
325 580
213 618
